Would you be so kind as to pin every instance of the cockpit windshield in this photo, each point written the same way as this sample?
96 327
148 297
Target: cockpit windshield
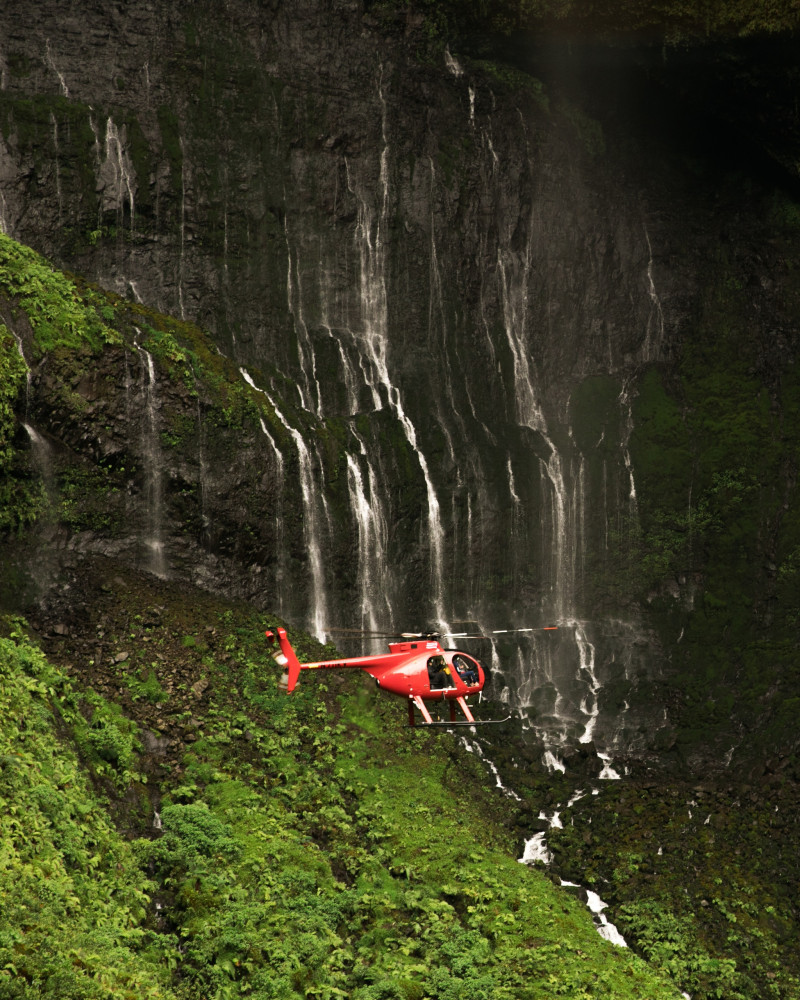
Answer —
466 667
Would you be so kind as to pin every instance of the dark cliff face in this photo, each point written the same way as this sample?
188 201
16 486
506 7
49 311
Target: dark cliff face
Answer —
475 303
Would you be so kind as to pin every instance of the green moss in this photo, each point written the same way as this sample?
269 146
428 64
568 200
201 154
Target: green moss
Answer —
13 371
88 498
516 79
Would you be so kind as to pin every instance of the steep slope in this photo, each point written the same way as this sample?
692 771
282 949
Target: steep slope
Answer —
272 847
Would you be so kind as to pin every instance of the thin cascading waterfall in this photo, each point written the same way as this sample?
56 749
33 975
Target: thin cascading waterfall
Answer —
373 585
353 379
452 64
117 161
625 401
280 539
450 410
156 562
587 675
514 275
5 226
318 612
202 467
564 697
62 83
42 457
57 165
654 332
373 340
321 308
182 231
28 372
367 502
311 394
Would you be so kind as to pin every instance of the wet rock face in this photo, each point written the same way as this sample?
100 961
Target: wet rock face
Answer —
461 281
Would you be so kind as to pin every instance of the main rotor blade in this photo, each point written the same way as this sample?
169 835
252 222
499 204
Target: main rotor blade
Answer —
500 631
358 632
540 628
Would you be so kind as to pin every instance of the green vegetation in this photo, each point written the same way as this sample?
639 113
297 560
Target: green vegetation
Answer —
74 898
309 847
13 371
59 314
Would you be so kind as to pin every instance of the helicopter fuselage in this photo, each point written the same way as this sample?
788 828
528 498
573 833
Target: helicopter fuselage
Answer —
406 670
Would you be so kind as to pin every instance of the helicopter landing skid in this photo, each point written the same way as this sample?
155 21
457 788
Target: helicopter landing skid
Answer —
459 722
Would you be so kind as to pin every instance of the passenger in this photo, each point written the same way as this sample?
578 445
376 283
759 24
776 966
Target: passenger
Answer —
439 673
466 671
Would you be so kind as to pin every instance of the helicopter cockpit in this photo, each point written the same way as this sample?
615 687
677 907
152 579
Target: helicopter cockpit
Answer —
440 673
466 668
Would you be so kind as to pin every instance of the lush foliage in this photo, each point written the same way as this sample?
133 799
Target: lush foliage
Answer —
20 500
74 900
59 314
302 853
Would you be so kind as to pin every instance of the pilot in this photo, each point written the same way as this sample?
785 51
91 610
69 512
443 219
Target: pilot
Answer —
466 671
438 673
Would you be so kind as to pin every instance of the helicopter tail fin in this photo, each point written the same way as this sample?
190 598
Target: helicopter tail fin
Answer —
285 657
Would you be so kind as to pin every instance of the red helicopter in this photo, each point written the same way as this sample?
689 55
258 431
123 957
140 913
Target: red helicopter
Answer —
418 669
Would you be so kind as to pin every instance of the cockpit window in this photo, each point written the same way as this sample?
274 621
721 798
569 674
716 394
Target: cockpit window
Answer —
467 668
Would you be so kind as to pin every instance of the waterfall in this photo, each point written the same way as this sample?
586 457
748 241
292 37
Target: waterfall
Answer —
586 674
155 562
57 166
42 456
280 551
514 277
182 231
117 173
318 611
202 467
657 314
371 549
311 399
62 83
373 340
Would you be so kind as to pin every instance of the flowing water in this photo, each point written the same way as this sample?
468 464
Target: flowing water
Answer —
153 538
